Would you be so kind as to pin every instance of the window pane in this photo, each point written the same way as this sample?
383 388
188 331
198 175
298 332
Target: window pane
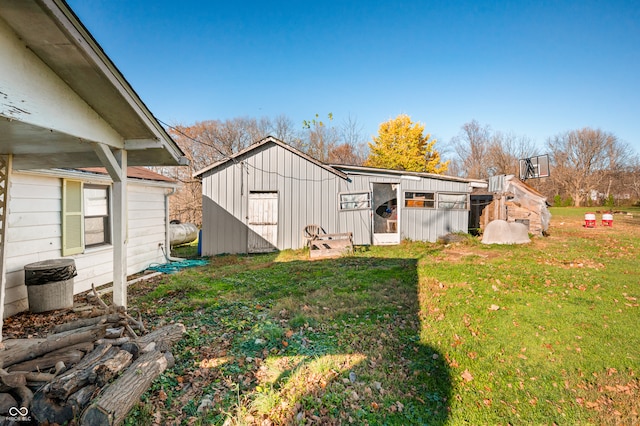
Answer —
95 202
94 231
354 201
452 201
419 199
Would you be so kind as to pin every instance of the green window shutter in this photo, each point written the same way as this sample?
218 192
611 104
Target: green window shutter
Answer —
72 217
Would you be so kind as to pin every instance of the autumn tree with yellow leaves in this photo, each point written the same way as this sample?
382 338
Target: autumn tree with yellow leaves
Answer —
400 145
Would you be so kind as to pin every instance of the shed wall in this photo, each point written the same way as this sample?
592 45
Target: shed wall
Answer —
309 194
301 186
34 234
415 224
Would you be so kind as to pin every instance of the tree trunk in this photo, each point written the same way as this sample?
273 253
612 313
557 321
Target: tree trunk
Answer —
577 199
120 396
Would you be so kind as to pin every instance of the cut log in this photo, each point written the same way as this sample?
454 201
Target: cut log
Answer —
16 355
69 356
132 347
12 380
102 325
74 325
100 372
25 395
6 402
169 334
82 374
13 343
106 371
114 333
117 398
80 399
52 411
114 342
45 409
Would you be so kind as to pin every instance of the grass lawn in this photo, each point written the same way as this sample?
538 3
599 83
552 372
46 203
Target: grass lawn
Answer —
419 333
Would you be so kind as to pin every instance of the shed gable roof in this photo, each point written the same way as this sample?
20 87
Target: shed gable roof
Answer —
264 142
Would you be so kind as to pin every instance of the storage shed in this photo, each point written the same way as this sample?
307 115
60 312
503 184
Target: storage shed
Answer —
261 199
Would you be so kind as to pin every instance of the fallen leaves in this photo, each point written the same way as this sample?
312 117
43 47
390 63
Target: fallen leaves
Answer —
467 376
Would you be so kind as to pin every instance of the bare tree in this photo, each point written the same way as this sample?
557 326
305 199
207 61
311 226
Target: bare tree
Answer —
505 150
320 138
472 146
583 159
283 129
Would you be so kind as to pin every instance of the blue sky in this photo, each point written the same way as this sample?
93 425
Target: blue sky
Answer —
533 68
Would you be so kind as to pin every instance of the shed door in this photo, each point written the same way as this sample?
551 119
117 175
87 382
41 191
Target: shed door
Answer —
263 222
385 213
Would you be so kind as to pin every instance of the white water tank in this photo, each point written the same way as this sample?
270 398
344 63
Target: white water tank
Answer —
182 233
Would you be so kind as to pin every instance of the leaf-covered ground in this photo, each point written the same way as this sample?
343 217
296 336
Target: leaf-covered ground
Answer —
544 333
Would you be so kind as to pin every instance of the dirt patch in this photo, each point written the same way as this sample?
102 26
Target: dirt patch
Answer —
613 399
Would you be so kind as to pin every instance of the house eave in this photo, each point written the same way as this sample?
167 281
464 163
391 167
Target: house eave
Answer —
53 33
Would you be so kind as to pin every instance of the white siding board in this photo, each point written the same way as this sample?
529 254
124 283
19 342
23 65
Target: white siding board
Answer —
29 233
22 205
32 219
34 236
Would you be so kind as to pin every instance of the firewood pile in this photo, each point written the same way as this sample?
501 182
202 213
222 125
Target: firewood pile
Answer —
92 369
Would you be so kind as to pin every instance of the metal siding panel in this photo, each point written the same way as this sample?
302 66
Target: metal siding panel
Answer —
286 208
297 208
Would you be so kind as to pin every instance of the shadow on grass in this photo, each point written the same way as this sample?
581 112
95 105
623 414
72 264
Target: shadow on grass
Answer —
340 343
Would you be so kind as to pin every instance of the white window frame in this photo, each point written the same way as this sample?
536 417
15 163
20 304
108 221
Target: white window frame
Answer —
73 217
456 204
358 204
424 199
105 216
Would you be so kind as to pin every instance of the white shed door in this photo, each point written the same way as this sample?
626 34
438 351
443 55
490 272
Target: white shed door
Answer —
263 222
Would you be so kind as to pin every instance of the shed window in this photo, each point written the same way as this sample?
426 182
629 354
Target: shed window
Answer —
452 201
355 201
420 200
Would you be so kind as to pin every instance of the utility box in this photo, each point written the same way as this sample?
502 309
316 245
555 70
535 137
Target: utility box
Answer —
50 284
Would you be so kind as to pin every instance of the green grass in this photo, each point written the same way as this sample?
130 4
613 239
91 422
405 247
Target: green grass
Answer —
417 333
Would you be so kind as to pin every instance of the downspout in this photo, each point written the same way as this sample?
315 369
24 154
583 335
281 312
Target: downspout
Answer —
167 233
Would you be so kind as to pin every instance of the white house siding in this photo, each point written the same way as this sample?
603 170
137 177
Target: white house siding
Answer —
34 234
301 186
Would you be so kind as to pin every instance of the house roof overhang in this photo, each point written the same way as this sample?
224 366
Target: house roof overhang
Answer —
51 31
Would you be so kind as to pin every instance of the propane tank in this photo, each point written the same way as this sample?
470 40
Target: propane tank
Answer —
182 233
